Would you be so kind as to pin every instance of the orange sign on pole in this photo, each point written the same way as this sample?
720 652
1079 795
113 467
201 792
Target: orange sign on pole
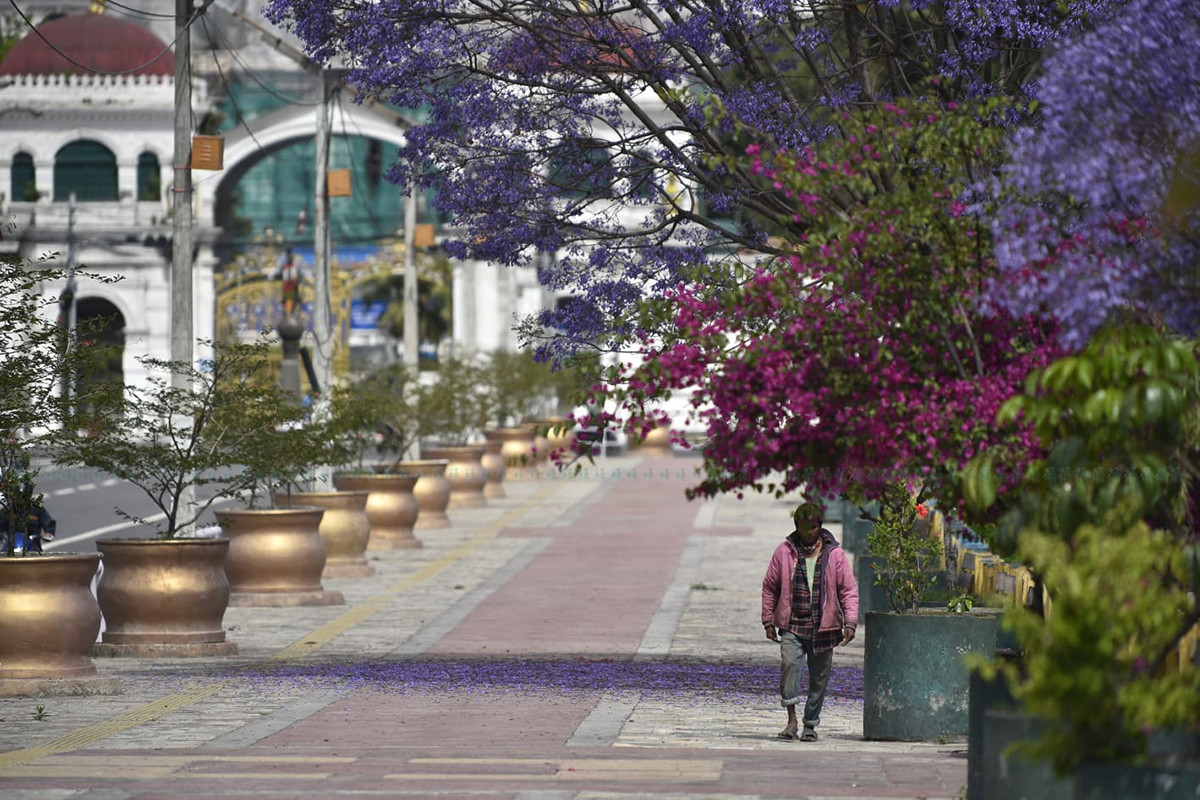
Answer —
338 181
423 236
208 152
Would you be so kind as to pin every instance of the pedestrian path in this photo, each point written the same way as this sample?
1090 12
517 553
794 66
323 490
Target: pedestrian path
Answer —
587 637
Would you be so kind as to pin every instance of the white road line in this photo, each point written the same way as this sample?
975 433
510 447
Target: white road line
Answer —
92 534
117 526
85 487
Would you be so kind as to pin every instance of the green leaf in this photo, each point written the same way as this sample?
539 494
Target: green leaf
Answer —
981 485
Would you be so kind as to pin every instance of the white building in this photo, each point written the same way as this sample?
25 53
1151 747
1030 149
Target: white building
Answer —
106 141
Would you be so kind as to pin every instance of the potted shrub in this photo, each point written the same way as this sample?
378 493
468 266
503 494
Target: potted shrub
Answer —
455 407
516 385
277 553
916 677
179 440
1105 522
49 619
379 415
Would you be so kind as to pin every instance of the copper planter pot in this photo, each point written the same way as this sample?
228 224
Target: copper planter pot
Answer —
345 529
391 506
554 434
276 557
493 470
657 442
164 597
432 492
48 624
518 451
465 473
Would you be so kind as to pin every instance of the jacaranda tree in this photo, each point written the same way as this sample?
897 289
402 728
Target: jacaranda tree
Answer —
1105 230
592 138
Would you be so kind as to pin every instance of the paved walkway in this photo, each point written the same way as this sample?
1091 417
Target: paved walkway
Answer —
587 637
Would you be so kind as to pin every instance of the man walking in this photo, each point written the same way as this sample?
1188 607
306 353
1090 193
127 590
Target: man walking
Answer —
809 606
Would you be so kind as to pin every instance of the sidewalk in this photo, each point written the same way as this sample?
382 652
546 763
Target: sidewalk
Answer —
586 637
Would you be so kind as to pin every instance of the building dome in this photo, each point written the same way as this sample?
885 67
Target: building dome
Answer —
103 43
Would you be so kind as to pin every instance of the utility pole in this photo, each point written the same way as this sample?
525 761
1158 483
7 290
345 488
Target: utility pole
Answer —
181 242
322 327
66 301
411 335
181 250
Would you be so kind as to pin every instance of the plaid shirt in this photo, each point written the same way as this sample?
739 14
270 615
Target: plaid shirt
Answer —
806 609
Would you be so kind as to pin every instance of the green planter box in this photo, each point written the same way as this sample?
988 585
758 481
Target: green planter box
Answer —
916 680
1137 782
983 695
1009 774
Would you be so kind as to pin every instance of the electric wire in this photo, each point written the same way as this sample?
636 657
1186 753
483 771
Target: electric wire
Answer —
229 90
359 200
196 14
249 71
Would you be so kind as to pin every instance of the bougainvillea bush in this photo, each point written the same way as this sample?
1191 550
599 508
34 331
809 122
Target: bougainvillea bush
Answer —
865 356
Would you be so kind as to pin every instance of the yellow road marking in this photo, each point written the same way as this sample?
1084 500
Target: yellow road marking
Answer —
256 776
92 771
674 770
275 759
301 647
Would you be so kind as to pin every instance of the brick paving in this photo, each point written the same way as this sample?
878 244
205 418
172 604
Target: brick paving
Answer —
582 638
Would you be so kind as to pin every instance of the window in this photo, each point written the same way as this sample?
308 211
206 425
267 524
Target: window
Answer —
24 179
87 168
149 178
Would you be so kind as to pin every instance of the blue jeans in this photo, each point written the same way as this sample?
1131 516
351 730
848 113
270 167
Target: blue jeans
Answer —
795 651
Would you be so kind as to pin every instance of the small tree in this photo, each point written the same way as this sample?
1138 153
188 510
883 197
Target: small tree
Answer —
36 359
455 405
379 410
901 540
518 382
225 431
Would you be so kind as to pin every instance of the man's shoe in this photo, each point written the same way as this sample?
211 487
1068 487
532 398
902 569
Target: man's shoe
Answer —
809 735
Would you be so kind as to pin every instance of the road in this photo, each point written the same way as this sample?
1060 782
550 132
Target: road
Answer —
83 501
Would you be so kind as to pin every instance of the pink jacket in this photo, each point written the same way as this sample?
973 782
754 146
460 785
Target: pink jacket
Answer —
837 583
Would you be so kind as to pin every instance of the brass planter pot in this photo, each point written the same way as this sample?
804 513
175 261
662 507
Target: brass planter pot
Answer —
464 472
432 492
493 470
48 625
556 434
276 557
164 597
657 442
517 450
345 529
391 507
